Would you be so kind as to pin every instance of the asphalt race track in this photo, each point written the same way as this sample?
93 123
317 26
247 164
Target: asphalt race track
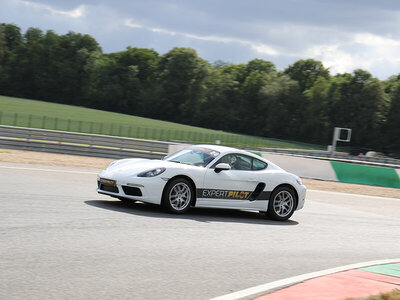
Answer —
59 239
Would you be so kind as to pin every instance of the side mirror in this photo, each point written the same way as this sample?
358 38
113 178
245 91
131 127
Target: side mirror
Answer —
221 167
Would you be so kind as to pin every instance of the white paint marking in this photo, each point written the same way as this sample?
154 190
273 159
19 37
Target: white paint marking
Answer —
264 288
49 170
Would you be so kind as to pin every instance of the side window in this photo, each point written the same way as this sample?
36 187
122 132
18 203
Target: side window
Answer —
258 164
242 162
229 159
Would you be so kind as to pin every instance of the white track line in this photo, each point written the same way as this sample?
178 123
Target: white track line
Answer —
349 194
296 279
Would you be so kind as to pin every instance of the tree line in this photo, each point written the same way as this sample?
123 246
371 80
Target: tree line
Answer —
303 102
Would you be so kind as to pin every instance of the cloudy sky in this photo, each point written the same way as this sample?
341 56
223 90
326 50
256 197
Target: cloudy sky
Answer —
343 34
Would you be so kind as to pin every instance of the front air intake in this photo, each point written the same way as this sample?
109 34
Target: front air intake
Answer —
132 191
108 188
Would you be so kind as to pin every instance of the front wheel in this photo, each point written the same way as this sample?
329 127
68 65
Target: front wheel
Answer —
282 204
177 196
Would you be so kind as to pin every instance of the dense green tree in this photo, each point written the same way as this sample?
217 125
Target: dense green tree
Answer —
219 108
33 35
306 72
260 65
316 124
238 72
220 64
139 88
3 72
182 78
282 107
250 105
12 36
104 89
302 103
392 126
271 104
75 50
10 40
50 67
360 103
29 63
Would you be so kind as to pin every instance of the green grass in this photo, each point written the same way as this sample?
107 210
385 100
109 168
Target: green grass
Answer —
78 113
393 295
40 114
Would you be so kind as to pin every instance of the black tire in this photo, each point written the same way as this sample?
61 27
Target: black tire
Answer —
282 204
177 196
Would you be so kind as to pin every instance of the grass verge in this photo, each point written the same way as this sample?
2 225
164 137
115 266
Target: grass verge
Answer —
393 295
46 115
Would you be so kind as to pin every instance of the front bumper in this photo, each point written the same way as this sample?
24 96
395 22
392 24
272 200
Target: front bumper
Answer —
136 188
301 192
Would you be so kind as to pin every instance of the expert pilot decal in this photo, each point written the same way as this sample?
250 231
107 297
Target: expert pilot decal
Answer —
223 194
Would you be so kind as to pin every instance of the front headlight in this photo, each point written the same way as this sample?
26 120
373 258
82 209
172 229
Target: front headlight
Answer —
151 173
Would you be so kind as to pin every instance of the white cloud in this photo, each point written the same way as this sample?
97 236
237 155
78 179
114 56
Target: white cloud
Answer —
132 24
75 13
264 49
375 40
341 40
164 31
334 59
361 50
258 47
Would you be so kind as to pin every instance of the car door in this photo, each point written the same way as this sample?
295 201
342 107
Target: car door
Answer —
231 188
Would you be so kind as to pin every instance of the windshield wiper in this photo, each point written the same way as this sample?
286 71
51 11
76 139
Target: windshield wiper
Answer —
180 162
175 161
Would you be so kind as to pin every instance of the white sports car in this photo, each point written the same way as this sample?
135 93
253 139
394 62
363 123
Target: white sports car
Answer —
206 176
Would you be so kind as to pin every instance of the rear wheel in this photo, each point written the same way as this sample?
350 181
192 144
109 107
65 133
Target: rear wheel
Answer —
178 195
282 204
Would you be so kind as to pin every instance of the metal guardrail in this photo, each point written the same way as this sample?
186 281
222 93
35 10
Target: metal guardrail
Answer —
23 138
141 132
55 141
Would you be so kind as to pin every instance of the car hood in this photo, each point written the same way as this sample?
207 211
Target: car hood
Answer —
134 166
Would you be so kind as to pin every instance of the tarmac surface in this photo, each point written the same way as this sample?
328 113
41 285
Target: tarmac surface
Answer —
60 239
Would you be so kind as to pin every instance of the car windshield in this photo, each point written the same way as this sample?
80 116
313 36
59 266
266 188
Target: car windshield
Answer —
196 156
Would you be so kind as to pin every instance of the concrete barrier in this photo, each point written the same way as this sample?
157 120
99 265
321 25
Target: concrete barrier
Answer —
353 173
172 148
303 167
337 171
